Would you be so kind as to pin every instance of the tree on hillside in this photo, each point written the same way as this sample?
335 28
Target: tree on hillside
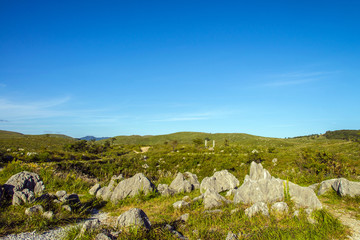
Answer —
174 144
198 142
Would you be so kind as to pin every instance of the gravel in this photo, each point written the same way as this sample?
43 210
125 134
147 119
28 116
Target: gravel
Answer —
53 234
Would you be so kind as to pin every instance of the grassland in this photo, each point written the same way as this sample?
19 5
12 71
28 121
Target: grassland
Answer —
72 165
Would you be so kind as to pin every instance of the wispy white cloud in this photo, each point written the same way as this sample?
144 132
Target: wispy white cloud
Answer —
25 110
296 78
193 116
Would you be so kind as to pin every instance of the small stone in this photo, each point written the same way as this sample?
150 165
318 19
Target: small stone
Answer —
180 204
94 189
60 194
48 215
134 217
280 207
256 208
231 236
89 226
184 217
34 210
66 208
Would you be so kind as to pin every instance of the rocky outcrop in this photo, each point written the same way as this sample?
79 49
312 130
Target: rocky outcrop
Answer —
260 186
23 197
192 178
219 182
133 217
213 199
325 186
345 187
131 187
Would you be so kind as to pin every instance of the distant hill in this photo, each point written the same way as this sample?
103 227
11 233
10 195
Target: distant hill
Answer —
10 139
343 134
89 138
188 137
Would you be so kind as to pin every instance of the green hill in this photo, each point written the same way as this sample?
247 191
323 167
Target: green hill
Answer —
188 137
10 139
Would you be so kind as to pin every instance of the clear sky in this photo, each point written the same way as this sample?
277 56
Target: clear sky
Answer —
108 68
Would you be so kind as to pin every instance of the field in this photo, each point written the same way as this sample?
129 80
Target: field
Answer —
68 164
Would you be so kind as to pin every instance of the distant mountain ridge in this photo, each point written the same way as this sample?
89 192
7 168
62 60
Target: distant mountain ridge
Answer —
89 138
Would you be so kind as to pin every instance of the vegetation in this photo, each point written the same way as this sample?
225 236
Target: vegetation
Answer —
74 165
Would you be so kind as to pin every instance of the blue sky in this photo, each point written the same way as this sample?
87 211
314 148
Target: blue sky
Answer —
108 68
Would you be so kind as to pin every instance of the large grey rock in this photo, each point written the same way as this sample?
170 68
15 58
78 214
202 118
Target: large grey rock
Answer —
345 187
180 184
164 190
131 187
220 181
105 193
260 186
133 217
23 197
303 196
94 189
325 186
258 207
24 180
213 199
37 209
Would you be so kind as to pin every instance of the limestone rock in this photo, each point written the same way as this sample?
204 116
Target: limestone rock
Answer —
94 189
134 217
131 187
24 180
37 209
303 196
280 207
213 199
198 198
180 184
180 204
164 190
258 207
260 186
345 187
220 181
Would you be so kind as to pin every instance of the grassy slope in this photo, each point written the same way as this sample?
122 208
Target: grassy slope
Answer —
33 142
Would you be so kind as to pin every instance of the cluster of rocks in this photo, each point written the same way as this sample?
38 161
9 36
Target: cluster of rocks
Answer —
27 188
